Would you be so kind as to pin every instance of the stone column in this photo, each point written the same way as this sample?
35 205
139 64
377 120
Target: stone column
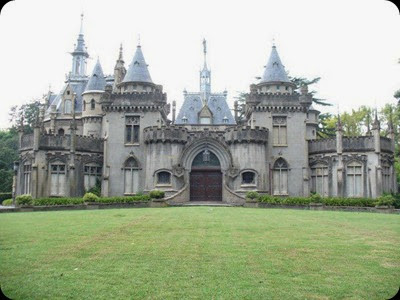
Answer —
376 128
173 111
105 183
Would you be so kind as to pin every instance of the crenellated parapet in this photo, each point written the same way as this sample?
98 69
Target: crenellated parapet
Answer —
164 134
246 134
63 143
350 144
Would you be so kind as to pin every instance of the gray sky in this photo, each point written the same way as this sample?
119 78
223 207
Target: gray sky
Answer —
353 45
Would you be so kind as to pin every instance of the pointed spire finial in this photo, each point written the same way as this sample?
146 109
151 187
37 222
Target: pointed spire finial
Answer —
273 42
120 53
81 30
138 42
205 52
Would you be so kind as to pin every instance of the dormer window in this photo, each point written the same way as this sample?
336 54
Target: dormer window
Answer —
225 120
205 120
184 120
67 106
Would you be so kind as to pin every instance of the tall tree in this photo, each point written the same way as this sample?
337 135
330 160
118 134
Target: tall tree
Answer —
27 113
8 154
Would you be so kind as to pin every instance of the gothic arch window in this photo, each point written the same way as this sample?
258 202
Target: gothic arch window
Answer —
163 178
354 180
206 159
91 175
92 104
57 179
319 179
61 131
131 176
27 171
280 177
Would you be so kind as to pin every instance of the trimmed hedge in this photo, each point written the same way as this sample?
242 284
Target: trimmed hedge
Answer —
90 197
156 194
252 195
25 199
7 202
387 200
128 199
5 196
57 201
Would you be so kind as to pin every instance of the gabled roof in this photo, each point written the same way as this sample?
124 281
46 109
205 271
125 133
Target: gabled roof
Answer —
97 81
274 70
138 71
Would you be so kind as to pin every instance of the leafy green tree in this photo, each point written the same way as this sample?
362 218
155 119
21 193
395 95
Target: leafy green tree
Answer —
299 81
8 154
27 113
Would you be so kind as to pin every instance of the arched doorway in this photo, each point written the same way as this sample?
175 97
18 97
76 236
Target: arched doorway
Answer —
206 177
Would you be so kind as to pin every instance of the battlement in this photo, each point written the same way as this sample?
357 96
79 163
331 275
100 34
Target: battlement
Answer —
246 134
171 134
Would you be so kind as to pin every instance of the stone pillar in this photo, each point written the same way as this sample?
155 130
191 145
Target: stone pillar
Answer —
105 183
173 111
376 130
34 174
14 183
53 112
72 167
235 105
339 151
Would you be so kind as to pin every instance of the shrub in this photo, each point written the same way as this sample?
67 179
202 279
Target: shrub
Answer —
90 197
96 189
4 196
24 199
338 201
316 198
252 195
385 200
396 202
7 202
156 194
57 201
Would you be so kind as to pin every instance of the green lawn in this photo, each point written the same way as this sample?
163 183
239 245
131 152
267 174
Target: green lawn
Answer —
199 252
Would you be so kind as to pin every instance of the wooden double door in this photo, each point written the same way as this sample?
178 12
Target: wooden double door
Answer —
206 185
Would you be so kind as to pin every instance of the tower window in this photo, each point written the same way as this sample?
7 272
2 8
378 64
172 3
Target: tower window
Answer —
92 104
279 131
132 130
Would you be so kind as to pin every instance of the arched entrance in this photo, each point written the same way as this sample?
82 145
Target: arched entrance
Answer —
206 177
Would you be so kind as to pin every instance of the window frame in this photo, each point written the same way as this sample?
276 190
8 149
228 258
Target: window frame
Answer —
279 128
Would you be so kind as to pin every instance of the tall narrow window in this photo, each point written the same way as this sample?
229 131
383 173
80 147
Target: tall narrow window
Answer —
131 176
67 106
84 105
92 173
386 179
319 179
280 177
27 178
57 186
354 186
92 104
279 131
132 130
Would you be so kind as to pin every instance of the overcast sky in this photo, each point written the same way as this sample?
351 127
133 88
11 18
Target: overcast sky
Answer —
353 45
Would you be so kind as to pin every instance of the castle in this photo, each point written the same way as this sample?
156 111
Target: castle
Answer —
115 130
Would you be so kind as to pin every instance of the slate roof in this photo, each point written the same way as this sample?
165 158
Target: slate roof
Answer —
274 70
78 88
192 105
137 71
96 82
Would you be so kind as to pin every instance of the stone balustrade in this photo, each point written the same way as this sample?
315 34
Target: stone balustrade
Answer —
27 141
359 143
322 146
386 144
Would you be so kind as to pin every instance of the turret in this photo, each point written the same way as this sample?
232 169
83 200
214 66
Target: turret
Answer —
376 133
91 100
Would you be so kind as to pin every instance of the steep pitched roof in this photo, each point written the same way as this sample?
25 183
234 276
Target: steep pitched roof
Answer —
138 71
274 70
97 82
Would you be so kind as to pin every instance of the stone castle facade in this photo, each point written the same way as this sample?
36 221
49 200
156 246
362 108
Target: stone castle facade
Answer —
115 130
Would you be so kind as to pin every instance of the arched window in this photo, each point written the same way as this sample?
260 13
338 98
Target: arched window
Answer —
57 185
279 131
164 178
131 174
92 104
67 106
27 178
280 177
248 178
207 159
319 179
84 105
354 185
92 174
61 131
386 178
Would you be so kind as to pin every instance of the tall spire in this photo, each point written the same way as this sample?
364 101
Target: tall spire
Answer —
205 77
274 70
79 55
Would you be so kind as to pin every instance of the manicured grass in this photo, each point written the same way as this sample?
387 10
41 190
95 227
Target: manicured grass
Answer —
199 252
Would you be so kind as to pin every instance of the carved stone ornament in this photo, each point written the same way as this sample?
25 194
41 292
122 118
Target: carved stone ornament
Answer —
178 170
233 172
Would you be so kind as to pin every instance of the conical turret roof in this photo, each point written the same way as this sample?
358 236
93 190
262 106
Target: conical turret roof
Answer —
138 71
96 82
274 70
